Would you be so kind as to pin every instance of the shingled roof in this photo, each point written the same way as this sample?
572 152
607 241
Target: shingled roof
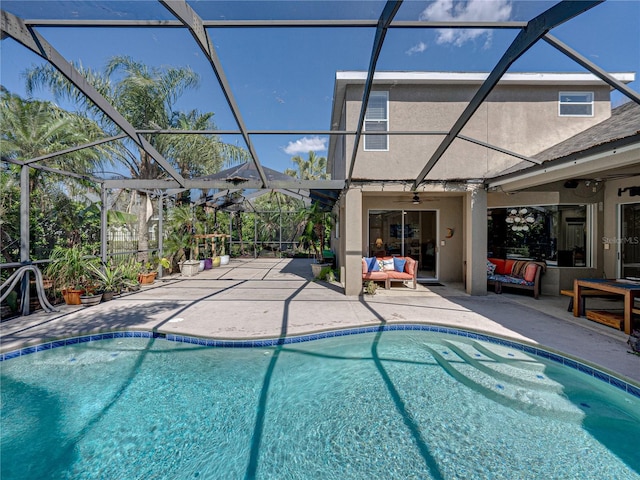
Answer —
621 128
623 124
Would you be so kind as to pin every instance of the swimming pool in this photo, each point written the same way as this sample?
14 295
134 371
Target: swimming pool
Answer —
385 404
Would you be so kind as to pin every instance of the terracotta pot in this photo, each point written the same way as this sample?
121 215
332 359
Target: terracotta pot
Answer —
72 296
147 278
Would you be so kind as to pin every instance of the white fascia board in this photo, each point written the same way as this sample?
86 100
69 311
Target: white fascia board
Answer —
580 167
550 78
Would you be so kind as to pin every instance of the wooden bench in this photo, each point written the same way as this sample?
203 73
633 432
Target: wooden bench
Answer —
606 317
586 292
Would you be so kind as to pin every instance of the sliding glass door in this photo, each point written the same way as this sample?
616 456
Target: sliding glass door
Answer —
410 233
629 241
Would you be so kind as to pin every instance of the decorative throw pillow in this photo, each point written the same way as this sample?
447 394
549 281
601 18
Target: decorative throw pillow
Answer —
398 264
491 268
387 264
372 264
530 272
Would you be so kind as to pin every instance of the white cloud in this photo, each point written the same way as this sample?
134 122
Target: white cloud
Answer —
306 145
466 11
419 48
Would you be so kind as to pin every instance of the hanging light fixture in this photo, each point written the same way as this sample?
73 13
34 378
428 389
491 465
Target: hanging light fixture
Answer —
520 219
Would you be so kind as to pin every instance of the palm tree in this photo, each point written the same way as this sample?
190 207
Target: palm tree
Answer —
30 129
147 97
314 168
314 229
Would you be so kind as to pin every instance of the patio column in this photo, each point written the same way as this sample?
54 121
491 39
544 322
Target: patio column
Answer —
103 223
25 246
352 223
476 240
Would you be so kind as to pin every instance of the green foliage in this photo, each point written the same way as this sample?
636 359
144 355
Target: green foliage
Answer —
29 129
70 267
325 272
316 230
109 277
370 287
130 268
314 168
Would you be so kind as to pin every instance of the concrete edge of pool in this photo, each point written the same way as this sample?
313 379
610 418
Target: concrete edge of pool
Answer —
591 369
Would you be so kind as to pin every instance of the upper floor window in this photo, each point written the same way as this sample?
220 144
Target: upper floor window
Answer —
377 120
576 104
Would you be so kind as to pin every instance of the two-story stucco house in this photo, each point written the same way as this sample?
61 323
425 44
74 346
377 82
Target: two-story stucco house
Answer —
517 181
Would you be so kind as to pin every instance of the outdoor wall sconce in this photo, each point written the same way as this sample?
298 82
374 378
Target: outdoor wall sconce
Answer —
633 191
450 232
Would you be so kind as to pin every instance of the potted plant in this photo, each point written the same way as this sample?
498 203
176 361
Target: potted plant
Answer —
224 258
313 236
109 278
148 274
91 296
189 268
130 270
69 271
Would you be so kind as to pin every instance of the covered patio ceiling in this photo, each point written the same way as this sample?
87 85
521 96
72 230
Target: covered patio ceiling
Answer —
32 23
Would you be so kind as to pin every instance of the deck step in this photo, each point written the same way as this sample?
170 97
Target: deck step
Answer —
606 317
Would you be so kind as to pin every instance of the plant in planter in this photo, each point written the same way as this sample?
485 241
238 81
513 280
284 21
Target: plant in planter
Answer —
109 278
130 270
150 270
224 258
69 271
370 287
314 233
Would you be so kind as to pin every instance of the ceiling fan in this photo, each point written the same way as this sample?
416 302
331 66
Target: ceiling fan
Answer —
416 200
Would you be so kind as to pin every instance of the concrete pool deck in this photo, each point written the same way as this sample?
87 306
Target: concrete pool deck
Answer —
270 297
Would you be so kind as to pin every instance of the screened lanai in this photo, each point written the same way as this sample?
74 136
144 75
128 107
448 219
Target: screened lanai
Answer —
241 89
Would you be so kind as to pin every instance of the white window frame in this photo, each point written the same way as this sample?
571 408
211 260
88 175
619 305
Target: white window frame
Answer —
379 121
568 94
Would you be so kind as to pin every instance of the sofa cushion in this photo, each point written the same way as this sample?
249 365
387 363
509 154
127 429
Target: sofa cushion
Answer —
499 263
399 275
491 267
508 266
398 264
530 272
387 264
372 264
410 266
503 267
509 279
374 276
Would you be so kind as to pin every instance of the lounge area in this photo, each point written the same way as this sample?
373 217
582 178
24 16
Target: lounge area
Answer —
390 269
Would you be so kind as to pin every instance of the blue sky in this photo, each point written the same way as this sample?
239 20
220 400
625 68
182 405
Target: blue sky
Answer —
283 79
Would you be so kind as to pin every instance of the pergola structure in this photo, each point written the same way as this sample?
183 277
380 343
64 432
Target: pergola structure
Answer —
24 22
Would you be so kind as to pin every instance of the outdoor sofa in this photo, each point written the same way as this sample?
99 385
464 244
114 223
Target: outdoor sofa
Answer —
390 269
522 274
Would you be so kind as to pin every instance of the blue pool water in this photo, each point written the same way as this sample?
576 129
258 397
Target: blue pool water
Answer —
392 405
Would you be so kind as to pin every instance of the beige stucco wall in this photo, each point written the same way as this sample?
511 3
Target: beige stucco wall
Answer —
523 119
611 231
449 210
